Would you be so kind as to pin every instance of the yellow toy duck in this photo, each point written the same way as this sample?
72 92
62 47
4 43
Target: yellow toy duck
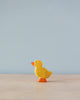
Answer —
40 72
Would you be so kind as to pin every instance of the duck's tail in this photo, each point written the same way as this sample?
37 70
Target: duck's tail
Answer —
49 74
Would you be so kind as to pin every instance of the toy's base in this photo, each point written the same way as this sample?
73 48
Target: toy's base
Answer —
41 80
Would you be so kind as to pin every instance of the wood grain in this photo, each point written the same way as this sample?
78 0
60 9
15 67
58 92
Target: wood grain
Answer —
25 87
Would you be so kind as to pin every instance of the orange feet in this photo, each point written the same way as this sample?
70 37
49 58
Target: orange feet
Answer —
41 80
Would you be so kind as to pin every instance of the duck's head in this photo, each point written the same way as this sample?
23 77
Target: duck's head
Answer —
37 63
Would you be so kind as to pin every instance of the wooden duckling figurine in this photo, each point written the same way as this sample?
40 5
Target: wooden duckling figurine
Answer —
40 72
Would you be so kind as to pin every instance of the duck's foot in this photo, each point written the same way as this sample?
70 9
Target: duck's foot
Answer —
41 80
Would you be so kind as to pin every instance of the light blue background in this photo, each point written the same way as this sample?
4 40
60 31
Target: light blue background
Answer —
48 30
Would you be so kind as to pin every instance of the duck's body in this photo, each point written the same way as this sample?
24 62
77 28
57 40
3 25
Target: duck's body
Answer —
40 72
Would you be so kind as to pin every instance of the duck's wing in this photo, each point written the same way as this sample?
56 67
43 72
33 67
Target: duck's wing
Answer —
46 73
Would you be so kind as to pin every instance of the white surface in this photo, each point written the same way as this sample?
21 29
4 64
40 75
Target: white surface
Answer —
25 87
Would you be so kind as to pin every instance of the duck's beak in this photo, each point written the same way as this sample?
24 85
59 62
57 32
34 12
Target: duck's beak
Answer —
32 63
